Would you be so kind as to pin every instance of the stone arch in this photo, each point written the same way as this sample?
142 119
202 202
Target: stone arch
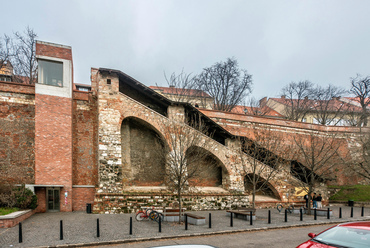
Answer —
213 172
142 161
267 190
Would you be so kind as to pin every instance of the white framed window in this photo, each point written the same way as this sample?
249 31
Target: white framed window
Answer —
50 72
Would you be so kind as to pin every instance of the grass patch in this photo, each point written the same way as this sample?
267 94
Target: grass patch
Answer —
354 192
5 211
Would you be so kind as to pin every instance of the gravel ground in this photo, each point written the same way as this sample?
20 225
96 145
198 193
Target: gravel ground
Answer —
80 228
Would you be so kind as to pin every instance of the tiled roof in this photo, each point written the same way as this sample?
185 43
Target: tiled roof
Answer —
334 104
265 111
180 91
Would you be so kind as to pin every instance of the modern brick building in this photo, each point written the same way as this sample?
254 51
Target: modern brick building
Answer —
75 145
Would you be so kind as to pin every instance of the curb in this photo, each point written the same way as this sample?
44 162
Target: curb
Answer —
124 241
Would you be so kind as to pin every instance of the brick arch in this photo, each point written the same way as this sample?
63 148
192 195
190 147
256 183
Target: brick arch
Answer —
270 188
216 173
142 163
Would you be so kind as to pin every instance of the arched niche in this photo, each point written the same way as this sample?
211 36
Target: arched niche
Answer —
266 190
143 162
210 170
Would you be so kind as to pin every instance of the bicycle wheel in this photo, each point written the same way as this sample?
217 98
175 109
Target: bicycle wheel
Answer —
148 211
279 207
290 209
140 216
153 215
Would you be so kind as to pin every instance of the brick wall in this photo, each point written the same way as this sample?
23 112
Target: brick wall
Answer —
56 51
7 223
85 171
41 200
17 136
82 196
243 125
53 144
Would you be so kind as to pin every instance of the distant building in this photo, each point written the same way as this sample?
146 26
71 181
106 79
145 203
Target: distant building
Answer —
83 87
340 111
197 98
6 71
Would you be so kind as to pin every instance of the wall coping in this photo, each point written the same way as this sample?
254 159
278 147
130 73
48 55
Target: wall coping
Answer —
14 214
83 186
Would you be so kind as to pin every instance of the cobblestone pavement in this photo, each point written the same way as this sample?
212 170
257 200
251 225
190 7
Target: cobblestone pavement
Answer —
80 228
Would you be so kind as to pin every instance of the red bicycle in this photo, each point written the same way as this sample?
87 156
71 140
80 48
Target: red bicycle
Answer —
150 214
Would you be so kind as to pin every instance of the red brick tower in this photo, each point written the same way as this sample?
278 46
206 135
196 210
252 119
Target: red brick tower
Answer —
53 127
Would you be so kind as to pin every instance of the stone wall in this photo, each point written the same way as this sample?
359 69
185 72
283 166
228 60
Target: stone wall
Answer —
131 203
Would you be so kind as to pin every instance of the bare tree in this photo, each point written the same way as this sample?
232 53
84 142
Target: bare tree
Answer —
5 49
316 158
185 148
183 88
257 107
263 162
361 161
326 107
24 55
297 100
20 51
360 88
226 83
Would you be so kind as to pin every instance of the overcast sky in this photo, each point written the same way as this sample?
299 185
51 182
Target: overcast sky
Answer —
326 42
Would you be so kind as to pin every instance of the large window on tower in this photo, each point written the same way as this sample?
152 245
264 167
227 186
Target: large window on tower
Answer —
50 72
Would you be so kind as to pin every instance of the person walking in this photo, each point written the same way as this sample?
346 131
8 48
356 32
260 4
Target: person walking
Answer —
319 201
306 199
314 201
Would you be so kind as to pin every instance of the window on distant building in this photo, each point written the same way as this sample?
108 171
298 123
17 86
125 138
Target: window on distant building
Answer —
51 72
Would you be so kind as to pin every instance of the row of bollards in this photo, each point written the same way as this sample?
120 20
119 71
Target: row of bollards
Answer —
20 237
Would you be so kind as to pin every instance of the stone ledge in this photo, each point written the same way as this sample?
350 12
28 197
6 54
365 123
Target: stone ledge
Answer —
14 218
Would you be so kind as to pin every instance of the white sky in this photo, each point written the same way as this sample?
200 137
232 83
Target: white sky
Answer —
276 41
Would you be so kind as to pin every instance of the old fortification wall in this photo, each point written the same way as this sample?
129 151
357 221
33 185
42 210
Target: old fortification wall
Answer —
17 133
347 137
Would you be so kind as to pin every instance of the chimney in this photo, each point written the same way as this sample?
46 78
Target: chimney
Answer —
283 97
263 101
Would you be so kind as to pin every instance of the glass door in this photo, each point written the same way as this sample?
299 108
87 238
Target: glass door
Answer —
53 199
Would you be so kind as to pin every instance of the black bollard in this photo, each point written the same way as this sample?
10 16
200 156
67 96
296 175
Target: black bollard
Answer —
300 214
251 218
315 214
351 212
269 217
130 225
328 215
20 236
340 213
210 221
61 230
97 228
231 219
362 211
160 224
186 222
286 215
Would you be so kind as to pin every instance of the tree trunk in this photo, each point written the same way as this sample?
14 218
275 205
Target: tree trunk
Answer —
254 196
180 204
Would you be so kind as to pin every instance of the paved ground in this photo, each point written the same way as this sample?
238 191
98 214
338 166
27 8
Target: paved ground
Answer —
80 228
276 238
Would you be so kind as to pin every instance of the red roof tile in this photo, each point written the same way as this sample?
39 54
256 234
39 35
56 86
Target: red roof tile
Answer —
263 111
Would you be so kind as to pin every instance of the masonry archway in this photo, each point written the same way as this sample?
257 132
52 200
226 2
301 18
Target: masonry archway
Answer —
143 163
265 190
212 172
